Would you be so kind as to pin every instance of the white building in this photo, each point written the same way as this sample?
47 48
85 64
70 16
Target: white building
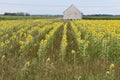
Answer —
72 13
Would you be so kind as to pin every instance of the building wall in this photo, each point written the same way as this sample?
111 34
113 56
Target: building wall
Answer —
72 13
72 16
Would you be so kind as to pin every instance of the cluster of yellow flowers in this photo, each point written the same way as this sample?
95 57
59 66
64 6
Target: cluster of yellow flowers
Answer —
73 52
21 43
27 34
101 28
48 59
85 32
21 33
48 38
77 34
63 42
98 33
64 39
13 37
29 38
2 44
81 43
110 71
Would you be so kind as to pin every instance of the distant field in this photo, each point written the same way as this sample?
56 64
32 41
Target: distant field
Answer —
59 50
26 17
102 17
85 17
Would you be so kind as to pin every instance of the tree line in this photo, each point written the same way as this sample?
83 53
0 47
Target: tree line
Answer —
17 14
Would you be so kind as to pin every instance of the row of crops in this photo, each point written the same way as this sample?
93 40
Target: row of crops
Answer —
40 48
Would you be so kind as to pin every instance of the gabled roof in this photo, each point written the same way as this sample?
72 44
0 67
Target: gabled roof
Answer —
72 6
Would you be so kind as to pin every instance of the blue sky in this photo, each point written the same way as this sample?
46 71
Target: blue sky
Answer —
58 6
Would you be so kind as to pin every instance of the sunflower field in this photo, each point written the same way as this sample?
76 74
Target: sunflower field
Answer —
60 49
